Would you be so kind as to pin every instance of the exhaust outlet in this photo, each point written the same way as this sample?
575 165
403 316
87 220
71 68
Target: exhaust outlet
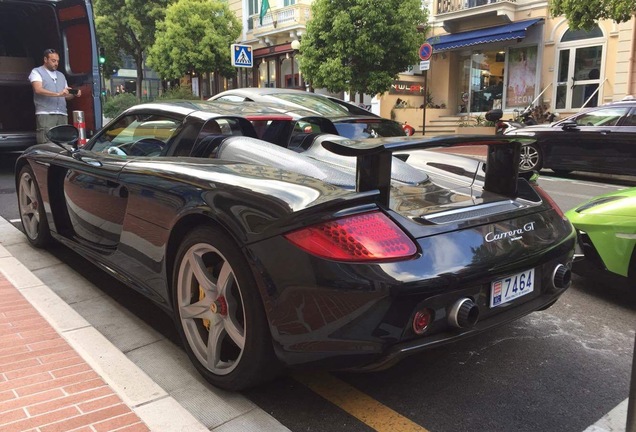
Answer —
463 314
561 277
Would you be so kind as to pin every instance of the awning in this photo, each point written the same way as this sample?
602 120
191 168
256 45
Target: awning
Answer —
515 30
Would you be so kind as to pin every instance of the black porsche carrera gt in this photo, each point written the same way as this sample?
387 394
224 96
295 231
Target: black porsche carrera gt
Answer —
308 250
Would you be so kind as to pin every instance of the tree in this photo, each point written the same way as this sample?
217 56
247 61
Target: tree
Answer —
195 36
585 14
361 45
127 27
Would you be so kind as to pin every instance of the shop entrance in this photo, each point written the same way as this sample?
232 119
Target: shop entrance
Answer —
481 81
580 57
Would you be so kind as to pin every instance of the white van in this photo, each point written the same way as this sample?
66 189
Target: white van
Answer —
27 28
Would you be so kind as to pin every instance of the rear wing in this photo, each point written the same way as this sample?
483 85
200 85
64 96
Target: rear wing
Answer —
374 157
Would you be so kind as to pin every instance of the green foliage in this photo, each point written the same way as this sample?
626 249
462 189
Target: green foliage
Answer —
118 103
127 27
478 120
585 14
195 36
178 93
361 45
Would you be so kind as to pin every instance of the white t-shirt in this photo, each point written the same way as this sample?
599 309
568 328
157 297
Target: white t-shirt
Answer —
35 75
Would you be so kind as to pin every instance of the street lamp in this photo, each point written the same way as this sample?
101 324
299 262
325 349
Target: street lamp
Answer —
295 45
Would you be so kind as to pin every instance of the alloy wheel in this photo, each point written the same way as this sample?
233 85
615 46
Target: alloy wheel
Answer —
530 158
211 308
29 204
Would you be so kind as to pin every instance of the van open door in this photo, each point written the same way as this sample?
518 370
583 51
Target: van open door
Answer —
27 28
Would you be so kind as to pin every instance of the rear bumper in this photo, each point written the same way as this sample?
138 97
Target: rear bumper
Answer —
512 313
359 317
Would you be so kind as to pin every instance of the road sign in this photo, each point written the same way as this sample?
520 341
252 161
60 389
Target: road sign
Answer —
426 51
425 65
242 56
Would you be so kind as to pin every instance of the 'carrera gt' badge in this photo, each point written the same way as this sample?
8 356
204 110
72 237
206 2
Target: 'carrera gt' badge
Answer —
512 235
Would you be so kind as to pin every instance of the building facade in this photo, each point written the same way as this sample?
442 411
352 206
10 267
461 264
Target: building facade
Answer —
509 54
487 54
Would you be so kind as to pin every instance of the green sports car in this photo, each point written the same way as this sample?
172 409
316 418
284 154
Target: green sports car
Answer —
606 227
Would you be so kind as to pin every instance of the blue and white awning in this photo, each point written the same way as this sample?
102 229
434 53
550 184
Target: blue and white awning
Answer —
515 30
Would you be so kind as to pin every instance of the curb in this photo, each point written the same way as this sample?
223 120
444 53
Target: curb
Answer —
150 402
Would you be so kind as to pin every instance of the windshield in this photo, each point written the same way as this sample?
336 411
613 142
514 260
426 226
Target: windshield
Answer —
316 103
370 129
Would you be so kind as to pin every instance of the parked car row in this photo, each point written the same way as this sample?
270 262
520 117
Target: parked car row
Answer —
284 246
233 216
350 120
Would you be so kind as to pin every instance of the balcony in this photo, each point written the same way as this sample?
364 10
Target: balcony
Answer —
281 23
460 15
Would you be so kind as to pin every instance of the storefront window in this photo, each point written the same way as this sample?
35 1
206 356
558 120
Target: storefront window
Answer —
522 77
267 73
481 81
289 71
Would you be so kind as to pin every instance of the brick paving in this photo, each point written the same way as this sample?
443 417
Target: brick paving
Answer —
45 386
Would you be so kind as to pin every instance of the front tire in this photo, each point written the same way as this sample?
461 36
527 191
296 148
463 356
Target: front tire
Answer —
31 207
219 312
531 159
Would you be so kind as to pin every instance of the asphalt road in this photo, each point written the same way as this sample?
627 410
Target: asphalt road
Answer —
557 370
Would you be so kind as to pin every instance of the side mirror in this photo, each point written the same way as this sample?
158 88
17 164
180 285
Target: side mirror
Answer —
569 125
64 134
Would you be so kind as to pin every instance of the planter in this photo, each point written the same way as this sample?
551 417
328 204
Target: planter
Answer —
413 116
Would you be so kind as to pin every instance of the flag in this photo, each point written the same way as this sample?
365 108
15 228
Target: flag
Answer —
264 9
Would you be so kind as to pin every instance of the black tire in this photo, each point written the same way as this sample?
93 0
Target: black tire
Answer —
31 207
531 158
216 300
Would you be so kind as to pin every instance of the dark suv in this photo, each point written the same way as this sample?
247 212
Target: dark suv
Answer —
601 139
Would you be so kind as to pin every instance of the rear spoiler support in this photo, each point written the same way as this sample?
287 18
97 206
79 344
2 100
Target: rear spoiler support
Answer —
374 157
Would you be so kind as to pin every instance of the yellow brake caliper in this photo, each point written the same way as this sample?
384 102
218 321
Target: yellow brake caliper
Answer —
219 306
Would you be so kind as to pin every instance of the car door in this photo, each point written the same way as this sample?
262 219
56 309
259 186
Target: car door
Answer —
594 144
96 199
624 135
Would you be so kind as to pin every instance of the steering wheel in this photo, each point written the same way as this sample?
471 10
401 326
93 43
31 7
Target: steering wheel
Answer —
146 147
117 151
589 124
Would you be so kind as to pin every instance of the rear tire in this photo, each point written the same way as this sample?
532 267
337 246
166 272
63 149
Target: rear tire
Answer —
31 207
531 159
219 313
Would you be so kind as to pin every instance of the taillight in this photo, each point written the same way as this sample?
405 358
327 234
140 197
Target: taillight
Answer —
545 197
363 237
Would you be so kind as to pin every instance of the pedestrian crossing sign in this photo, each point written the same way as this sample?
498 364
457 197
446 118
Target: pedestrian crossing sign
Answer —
242 56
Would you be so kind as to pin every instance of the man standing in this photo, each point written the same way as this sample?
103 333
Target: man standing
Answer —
50 92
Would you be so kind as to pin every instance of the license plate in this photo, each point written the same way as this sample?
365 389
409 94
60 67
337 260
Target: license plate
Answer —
511 287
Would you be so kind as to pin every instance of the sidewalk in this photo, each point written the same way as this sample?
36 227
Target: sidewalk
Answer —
73 360
44 384
57 373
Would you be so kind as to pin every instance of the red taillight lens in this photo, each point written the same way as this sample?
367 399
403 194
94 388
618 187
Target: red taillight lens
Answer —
363 237
544 196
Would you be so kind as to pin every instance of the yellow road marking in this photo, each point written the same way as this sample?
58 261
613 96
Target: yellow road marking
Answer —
363 407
